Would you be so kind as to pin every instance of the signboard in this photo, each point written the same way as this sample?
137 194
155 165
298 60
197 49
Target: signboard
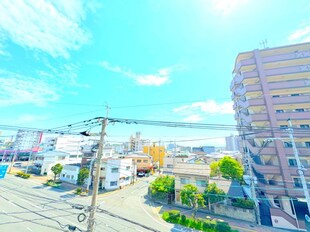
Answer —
3 169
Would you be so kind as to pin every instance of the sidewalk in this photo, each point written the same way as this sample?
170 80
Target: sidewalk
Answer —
241 226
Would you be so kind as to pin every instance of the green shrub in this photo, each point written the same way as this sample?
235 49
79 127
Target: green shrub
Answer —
243 203
23 175
78 191
209 224
165 216
222 227
182 220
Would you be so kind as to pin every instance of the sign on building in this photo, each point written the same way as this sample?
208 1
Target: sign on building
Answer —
3 169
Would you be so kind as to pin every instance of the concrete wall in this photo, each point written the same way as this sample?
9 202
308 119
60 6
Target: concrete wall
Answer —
234 212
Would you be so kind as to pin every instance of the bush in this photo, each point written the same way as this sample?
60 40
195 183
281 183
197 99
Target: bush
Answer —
222 227
52 184
174 216
78 191
243 203
23 175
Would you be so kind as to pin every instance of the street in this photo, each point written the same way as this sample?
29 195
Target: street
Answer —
26 205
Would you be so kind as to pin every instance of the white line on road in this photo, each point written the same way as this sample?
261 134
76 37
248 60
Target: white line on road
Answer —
29 229
12 203
4 211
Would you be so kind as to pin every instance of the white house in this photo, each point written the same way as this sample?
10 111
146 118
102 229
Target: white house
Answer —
70 173
116 173
44 161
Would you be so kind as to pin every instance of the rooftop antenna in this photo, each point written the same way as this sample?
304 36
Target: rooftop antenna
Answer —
263 43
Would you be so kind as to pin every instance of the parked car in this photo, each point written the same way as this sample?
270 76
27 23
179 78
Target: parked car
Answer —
17 164
141 174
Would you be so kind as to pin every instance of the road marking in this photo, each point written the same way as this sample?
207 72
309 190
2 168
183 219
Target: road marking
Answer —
12 203
4 211
29 229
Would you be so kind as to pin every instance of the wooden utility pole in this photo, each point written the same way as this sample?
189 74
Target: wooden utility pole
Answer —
93 207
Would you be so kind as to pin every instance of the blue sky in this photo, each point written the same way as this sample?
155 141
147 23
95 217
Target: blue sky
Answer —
62 61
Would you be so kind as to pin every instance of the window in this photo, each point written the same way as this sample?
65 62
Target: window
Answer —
292 162
304 126
295 94
297 182
127 168
145 161
114 170
63 175
72 177
169 165
283 126
68 176
184 181
276 96
279 111
307 144
127 178
300 110
287 144
113 183
102 169
138 161
201 183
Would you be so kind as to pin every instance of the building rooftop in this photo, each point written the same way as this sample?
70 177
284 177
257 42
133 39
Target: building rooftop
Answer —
192 169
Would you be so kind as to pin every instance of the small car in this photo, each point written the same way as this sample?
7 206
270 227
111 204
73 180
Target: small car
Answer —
141 174
17 164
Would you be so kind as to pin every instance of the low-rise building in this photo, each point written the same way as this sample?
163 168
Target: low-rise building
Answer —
70 173
142 161
116 173
187 173
45 161
171 161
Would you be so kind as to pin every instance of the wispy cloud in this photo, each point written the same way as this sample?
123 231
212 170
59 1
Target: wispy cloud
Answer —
160 78
198 111
53 27
64 75
226 7
27 118
302 34
16 89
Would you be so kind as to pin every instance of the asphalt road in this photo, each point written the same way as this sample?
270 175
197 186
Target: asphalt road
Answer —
26 205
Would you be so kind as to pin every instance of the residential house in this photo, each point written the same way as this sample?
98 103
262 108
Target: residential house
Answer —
116 173
142 161
171 160
187 173
70 173
44 161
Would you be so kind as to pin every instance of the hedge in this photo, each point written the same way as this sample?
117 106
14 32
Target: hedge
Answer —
243 203
23 175
174 216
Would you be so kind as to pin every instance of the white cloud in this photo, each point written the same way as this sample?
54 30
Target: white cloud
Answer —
162 77
17 89
207 107
49 26
193 118
27 118
300 35
226 7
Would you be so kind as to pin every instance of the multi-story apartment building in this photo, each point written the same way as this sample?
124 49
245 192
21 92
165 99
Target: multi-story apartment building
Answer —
157 152
269 87
143 162
232 143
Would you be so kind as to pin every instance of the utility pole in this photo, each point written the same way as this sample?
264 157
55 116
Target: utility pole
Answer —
300 168
29 159
90 174
12 160
93 207
250 171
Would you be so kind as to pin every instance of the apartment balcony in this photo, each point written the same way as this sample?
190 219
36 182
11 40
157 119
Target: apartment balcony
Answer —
264 151
287 70
249 88
254 117
272 189
242 63
302 151
289 84
293 115
286 56
267 169
291 99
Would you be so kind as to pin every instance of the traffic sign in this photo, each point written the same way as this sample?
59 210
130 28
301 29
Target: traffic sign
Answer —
3 169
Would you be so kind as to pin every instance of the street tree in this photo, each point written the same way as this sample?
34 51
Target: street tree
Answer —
213 194
162 188
215 169
191 197
231 168
82 176
56 169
